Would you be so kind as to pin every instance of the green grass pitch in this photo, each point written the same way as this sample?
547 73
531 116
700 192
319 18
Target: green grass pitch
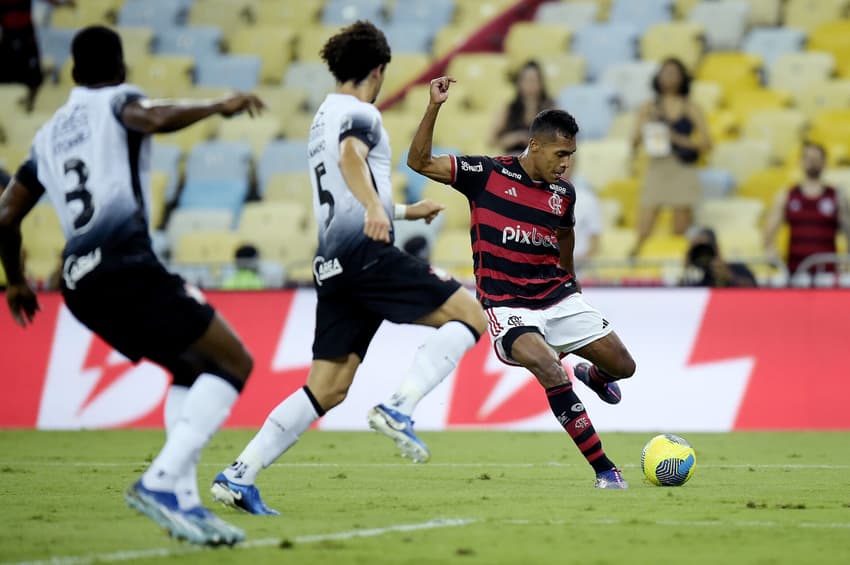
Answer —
485 498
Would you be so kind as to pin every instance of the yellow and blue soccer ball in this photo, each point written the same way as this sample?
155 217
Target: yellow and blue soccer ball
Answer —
668 460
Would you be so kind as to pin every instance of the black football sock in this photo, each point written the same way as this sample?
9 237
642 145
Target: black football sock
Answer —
570 412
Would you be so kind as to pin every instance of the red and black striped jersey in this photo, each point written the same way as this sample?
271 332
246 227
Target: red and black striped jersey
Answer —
813 224
514 224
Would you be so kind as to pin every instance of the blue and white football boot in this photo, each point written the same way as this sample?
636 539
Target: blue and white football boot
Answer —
608 392
162 508
242 497
217 530
398 428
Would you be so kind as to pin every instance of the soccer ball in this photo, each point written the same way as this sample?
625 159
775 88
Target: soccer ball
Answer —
668 460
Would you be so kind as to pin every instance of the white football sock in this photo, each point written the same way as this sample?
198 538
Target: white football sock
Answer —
282 428
204 408
434 360
187 484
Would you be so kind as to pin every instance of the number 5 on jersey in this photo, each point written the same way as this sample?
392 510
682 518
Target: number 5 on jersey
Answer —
325 196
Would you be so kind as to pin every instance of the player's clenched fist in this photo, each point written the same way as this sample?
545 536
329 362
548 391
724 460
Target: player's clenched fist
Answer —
377 224
440 89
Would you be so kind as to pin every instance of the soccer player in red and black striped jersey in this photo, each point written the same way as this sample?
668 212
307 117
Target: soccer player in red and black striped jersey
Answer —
814 212
522 215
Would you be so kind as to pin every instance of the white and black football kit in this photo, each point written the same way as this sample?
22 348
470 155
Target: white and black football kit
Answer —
96 174
360 282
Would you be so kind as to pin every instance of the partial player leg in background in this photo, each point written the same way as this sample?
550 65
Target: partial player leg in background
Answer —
526 346
326 387
460 323
611 362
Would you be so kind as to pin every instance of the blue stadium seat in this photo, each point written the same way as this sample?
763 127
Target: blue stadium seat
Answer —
312 77
240 72
770 43
603 45
409 38
344 12
198 41
576 16
55 43
209 193
642 14
219 160
165 157
632 81
716 183
593 106
724 23
282 156
431 14
416 182
156 14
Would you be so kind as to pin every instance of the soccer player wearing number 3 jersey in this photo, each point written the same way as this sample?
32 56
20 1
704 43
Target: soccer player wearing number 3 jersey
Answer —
92 158
361 278
522 214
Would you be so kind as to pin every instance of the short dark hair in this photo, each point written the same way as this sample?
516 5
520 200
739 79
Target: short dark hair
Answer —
552 123
98 56
684 87
816 146
352 53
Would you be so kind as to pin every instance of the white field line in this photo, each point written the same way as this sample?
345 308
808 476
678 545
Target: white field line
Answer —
825 466
131 555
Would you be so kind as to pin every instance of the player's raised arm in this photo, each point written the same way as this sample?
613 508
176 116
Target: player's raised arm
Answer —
419 158
15 203
162 116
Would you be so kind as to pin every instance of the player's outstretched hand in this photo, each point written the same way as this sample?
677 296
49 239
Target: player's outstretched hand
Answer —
22 303
241 102
377 224
426 210
440 89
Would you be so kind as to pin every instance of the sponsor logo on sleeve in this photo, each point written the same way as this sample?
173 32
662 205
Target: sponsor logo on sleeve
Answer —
465 166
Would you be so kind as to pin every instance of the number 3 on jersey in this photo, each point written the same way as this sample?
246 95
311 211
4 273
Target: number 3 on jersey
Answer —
325 196
80 192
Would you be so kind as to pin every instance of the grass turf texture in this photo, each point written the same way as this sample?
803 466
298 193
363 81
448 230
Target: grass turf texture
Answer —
754 498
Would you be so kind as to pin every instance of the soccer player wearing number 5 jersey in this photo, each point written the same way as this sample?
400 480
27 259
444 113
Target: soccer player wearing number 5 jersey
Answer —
522 214
361 278
92 158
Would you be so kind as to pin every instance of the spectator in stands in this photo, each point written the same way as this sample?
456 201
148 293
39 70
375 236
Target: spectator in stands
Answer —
815 213
510 132
705 266
21 63
673 132
588 220
247 274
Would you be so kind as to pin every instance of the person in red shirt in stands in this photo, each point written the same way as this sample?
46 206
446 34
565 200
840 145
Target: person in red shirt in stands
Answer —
814 211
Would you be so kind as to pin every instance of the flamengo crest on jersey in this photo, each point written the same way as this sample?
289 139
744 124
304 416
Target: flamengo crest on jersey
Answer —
515 221
95 172
340 216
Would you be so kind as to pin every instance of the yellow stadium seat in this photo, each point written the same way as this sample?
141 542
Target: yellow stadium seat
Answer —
742 157
85 13
13 154
311 39
485 77
480 11
830 128
225 14
405 67
297 125
41 223
453 253
206 247
188 137
627 192
839 177
42 242
21 129
664 247
159 185
743 103
136 41
532 40
456 214
276 217
163 75
808 14
764 12
684 40
764 184
602 161
722 125
451 37
781 128
681 8
294 250
400 128
13 97
258 131
469 132
826 95
733 71
833 37
611 211
616 243
623 126
708 95
289 187
51 97
604 6
561 70
294 14
416 99
794 72
274 45
732 211
740 242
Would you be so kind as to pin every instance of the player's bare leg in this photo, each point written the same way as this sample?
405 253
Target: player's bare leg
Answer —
459 322
532 352
611 361
647 216
327 385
